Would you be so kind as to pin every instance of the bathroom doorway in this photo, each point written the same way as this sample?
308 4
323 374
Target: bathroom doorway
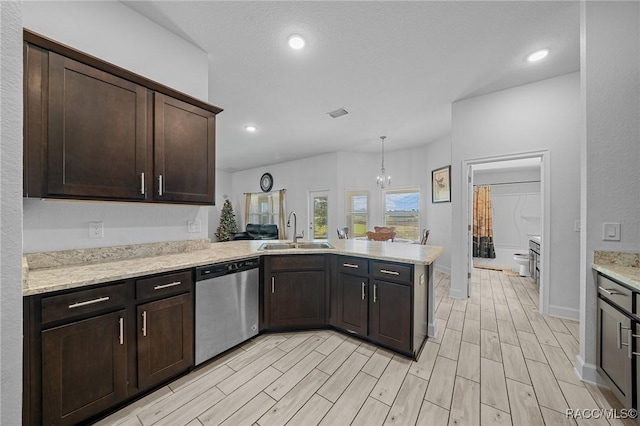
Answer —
519 207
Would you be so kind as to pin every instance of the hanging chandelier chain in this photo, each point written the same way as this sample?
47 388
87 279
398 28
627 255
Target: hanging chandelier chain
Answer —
383 180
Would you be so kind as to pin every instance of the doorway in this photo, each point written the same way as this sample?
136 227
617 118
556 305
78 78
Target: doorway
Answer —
318 215
506 175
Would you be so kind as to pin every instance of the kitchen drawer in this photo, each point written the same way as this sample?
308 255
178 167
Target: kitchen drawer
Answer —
615 293
392 271
296 262
82 302
163 285
353 265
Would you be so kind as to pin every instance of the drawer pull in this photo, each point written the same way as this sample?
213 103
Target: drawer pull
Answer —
363 294
384 271
121 321
350 265
173 284
88 302
611 291
144 323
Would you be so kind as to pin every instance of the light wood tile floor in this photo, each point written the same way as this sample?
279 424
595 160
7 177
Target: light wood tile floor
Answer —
496 360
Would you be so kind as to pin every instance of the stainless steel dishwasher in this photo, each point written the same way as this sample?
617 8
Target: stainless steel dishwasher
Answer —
226 306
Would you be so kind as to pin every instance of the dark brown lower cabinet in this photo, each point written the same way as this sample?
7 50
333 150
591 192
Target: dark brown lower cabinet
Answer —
390 314
297 298
612 356
83 368
294 292
352 304
165 339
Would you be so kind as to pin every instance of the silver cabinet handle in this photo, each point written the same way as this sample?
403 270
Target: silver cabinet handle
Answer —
144 323
611 291
619 336
273 284
160 185
173 284
375 293
632 336
142 188
121 331
88 302
384 271
350 265
363 290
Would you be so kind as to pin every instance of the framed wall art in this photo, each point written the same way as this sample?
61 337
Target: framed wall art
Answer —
441 185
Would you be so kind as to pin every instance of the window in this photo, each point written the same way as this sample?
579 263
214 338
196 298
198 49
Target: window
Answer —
402 211
262 210
265 208
357 210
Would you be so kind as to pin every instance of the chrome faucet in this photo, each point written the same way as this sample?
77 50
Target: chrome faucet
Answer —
295 227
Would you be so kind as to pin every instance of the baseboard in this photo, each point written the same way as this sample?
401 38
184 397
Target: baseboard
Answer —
443 269
563 312
456 293
432 331
587 372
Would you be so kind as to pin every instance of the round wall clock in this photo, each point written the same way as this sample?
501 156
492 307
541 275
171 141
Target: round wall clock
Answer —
266 182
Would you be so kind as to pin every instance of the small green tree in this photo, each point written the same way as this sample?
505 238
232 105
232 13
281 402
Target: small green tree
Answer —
228 225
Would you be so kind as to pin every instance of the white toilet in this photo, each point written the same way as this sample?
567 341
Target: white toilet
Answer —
522 259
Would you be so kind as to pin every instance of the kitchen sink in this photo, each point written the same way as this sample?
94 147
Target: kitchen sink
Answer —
302 245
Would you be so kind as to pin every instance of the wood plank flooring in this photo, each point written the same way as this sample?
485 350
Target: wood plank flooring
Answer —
496 361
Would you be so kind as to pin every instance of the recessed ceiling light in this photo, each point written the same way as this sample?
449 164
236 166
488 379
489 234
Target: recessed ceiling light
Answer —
250 128
537 55
296 41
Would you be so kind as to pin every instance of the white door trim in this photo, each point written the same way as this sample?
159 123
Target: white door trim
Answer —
545 189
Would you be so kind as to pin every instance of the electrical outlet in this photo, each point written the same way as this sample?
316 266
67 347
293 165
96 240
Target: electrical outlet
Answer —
96 230
193 226
576 226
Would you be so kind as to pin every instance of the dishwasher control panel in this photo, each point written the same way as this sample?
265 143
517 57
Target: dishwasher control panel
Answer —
210 271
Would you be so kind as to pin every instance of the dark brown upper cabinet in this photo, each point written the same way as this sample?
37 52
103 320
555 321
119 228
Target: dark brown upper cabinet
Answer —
96 131
184 151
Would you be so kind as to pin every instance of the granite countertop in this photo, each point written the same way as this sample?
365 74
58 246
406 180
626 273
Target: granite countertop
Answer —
53 278
621 266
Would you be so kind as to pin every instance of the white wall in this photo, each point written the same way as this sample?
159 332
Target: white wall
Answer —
341 171
540 116
11 213
610 181
117 34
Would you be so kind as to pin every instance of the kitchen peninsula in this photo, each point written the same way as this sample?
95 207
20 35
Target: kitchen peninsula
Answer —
134 306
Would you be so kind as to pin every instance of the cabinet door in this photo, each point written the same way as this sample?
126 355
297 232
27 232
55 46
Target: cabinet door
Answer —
83 368
612 353
97 133
296 298
184 152
390 314
352 303
165 339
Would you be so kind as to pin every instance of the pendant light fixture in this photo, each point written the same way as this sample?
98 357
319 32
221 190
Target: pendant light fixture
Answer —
383 179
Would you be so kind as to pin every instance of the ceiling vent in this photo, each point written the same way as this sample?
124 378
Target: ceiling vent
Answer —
338 113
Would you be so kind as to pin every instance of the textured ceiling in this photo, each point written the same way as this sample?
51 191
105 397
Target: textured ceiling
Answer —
395 66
